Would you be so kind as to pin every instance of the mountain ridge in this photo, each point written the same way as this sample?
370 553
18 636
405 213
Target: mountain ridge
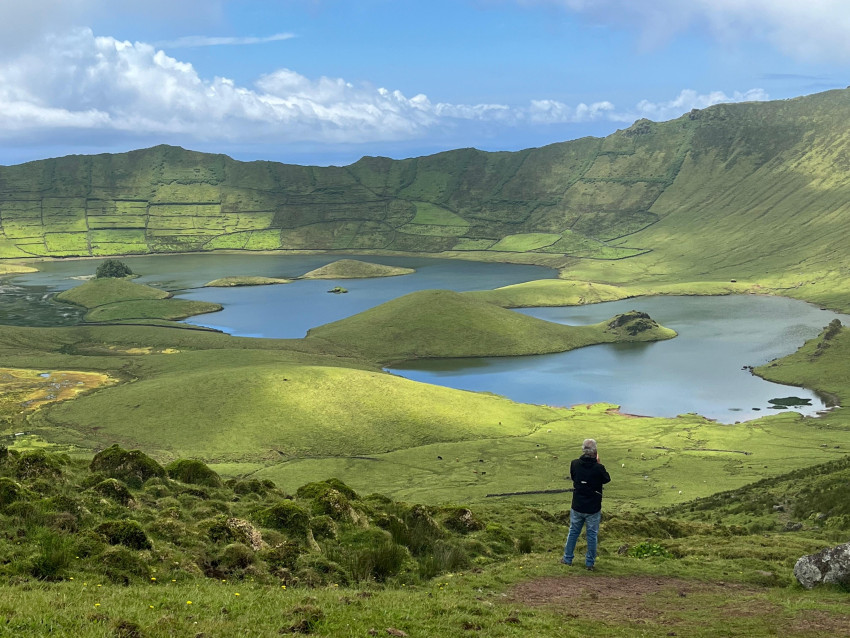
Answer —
750 189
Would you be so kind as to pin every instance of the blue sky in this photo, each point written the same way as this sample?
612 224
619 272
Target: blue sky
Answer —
328 81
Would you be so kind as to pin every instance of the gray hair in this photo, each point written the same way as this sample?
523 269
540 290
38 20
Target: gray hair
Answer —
588 448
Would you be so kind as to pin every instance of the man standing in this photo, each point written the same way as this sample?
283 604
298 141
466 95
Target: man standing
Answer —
588 476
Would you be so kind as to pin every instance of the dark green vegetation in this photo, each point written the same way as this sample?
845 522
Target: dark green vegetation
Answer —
678 201
355 269
121 546
124 518
442 323
113 268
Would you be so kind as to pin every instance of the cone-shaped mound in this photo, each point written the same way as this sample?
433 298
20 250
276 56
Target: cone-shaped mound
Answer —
354 269
443 323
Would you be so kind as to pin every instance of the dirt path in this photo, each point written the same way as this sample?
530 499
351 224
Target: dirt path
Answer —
666 602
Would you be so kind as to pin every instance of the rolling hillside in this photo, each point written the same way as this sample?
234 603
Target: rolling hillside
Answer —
738 190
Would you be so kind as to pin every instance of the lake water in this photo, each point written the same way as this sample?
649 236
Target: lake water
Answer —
277 311
699 371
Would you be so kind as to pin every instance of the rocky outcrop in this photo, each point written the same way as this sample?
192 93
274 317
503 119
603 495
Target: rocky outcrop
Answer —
829 566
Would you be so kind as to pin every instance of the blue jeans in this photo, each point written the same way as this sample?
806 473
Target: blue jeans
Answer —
577 521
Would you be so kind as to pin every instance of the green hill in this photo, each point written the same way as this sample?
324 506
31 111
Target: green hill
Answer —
355 269
734 191
443 323
98 292
112 299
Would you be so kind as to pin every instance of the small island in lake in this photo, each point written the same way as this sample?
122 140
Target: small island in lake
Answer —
229 282
355 269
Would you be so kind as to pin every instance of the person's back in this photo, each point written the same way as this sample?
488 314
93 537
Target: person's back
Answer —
588 476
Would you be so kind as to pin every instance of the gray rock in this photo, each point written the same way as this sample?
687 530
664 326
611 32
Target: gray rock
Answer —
827 566
793 526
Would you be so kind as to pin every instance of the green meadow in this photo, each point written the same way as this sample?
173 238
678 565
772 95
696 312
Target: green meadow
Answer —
446 511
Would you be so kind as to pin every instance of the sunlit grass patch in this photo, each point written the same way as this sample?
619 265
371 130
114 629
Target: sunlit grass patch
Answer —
32 389
524 242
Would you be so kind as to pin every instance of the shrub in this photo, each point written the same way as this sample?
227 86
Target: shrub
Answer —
323 527
127 533
286 516
462 521
282 556
193 472
37 464
9 491
225 529
315 570
115 490
171 530
498 539
122 565
647 549
378 562
235 558
444 557
54 554
112 268
314 490
251 486
525 544
133 467
335 504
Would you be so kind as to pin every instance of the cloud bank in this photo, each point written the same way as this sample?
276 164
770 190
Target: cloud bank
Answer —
79 86
811 30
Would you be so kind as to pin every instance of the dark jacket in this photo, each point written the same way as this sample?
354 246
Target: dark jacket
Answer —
588 476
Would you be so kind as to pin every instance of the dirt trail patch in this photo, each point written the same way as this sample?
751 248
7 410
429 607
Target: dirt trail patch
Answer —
636 599
672 605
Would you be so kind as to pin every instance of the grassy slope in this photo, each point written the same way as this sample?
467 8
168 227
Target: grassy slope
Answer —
231 408
112 299
98 292
745 191
355 269
567 292
442 323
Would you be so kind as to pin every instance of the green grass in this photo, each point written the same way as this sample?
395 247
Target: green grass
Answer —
113 299
167 309
109 290
525 242
355 269
228 407
568 292
442 323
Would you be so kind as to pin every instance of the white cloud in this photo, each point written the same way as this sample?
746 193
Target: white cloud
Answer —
77 83
815 29
688 100
210 41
